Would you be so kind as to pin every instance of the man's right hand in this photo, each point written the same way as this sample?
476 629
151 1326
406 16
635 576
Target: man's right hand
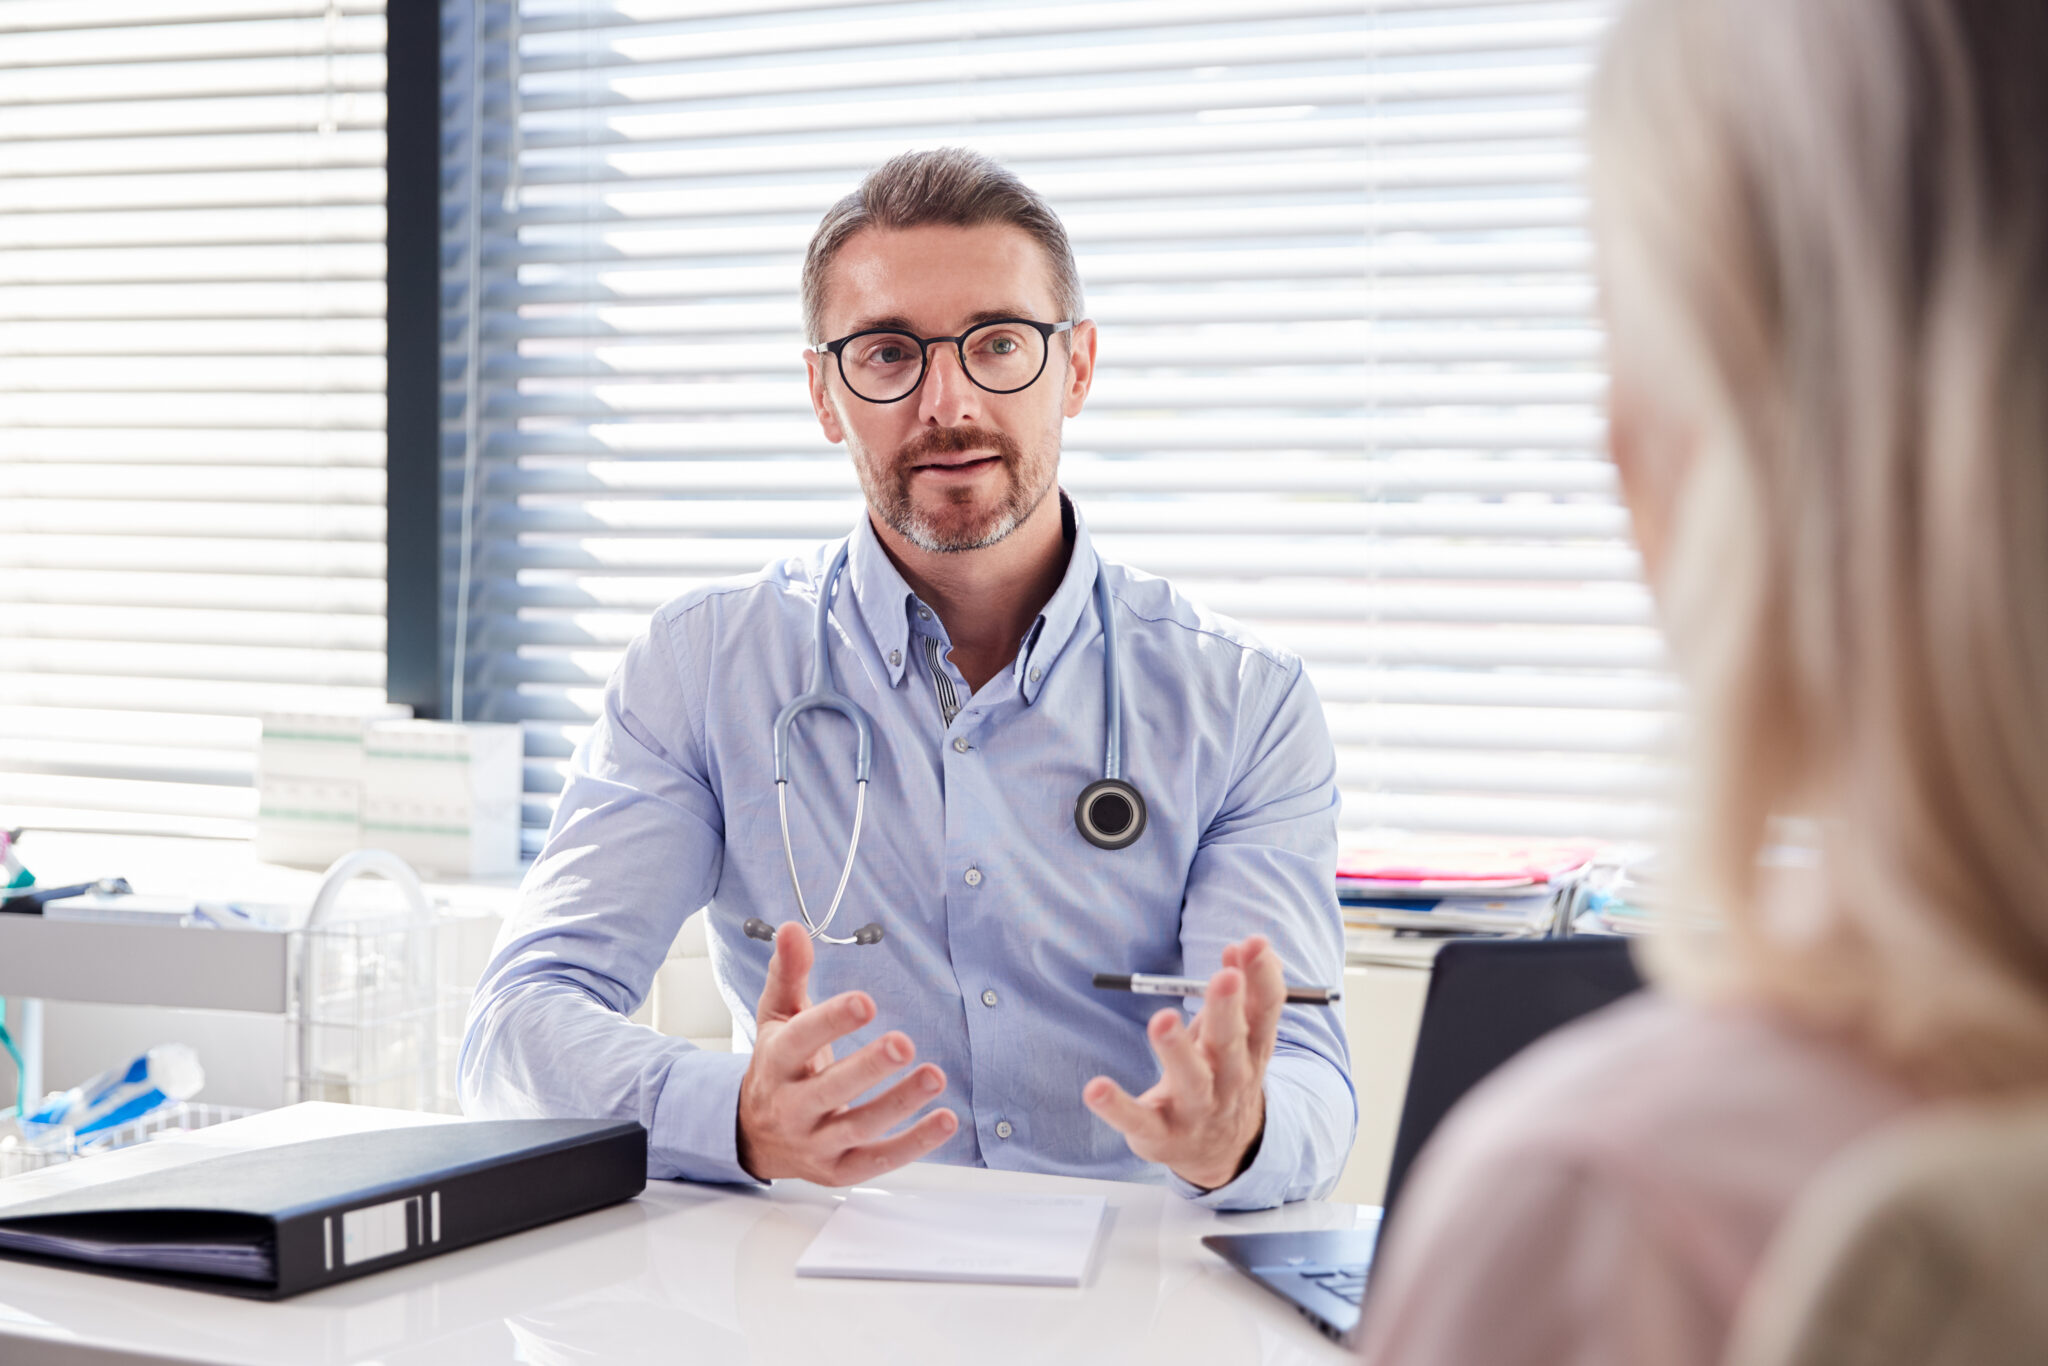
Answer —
797 1116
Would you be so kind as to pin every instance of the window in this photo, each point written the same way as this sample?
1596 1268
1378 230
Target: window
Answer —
1350 377
191 396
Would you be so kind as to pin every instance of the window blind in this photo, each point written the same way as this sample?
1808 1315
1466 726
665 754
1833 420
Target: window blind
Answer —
1350 376
191 396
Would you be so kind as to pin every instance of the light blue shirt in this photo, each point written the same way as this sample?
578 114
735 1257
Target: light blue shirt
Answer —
996 911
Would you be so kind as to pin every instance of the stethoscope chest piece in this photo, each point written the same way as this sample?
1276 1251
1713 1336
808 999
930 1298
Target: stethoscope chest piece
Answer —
1110 814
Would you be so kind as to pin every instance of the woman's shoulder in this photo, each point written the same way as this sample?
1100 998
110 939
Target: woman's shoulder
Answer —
1655 1080
1650 1148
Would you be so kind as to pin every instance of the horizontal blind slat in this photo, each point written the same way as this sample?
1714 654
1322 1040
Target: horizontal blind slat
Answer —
29 518
575 16
641 123
193 555
33 16
716 479
834 61
195 115
335 668
90 796
664 164
250 592
286 446
235 697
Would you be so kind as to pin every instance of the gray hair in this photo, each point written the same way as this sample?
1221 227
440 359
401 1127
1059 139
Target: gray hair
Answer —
1823 230
950 186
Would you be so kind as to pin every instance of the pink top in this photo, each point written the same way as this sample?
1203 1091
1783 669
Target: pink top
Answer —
1603 1198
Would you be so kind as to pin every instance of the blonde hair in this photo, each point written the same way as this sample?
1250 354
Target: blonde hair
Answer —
1824 248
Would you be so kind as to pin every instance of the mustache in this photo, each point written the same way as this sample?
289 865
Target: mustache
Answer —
935 441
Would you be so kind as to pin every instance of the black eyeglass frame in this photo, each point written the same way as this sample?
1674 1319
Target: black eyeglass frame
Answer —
837 350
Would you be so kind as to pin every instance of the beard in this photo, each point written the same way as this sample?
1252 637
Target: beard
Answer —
957 519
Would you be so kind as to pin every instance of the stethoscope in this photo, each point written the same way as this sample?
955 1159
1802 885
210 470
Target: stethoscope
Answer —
1109 813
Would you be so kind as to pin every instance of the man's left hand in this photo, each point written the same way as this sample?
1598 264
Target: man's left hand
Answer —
1205 1116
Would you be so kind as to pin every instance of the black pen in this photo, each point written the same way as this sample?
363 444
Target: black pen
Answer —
1145 984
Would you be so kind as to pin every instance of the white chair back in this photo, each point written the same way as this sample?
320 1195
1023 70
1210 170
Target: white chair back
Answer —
686 1002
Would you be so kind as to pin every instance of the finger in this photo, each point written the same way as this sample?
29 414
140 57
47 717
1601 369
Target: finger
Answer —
862 1071
872 1159
1223 1027
787 990
1233 957
1116 1107
891 1108
817 1028
1181 1065
1265 996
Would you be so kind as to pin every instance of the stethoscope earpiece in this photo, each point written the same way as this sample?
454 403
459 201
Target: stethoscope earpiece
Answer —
757 928
1110 814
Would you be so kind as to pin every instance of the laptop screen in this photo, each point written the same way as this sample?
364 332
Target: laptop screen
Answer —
1488 1000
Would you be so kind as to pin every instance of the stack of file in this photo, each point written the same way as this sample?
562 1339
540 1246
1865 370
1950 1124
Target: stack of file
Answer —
1464 886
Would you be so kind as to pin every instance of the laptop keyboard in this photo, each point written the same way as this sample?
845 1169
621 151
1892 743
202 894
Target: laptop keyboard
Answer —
1346 1281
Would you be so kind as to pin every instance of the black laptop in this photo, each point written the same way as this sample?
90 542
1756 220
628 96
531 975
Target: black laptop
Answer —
1488 1000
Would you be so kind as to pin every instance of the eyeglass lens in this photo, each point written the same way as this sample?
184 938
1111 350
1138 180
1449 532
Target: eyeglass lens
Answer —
1001 357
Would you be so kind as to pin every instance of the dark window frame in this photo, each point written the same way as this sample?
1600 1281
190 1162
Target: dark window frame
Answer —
415 600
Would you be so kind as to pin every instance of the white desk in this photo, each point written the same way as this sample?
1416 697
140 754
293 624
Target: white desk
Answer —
703 1274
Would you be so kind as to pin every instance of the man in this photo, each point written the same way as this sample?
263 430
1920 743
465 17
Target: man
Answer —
945 315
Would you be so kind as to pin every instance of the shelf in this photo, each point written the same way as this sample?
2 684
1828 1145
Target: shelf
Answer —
144 965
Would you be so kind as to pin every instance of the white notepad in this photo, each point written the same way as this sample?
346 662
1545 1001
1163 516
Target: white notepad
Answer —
939 1236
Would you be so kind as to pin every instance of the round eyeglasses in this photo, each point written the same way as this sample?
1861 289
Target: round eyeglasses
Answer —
1002 356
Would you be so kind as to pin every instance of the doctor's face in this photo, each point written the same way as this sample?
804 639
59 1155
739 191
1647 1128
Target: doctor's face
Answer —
951 466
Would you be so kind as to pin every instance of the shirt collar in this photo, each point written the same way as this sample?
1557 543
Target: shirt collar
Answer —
885 599
1071 601
886 602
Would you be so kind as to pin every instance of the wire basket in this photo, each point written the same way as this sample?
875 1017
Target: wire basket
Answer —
378 994
19 1154
372 1015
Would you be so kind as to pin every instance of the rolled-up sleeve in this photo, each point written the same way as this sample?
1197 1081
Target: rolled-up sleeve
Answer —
636 846
1267 865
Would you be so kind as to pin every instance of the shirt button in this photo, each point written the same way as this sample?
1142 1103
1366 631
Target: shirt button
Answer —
1037 674
973 877
895 659
924 614
959 744
988 998
1003 1129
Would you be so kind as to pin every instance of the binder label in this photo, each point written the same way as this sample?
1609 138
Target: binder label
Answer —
373 1231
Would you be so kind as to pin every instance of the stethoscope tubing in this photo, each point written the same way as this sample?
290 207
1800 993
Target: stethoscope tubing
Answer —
824 693
860 805
1112 684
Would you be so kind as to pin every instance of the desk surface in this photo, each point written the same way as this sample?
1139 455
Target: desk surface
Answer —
704 1274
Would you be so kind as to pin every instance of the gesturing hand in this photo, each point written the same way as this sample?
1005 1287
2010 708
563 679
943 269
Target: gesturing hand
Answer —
1205 1116
796 1114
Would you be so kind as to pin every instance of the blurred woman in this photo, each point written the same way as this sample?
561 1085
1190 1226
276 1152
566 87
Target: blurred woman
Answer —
1823 234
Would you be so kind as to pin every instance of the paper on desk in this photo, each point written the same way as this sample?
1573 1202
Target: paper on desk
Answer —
939 1236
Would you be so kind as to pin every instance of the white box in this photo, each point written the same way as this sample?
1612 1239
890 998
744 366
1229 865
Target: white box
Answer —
306 823
309 784
445 797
